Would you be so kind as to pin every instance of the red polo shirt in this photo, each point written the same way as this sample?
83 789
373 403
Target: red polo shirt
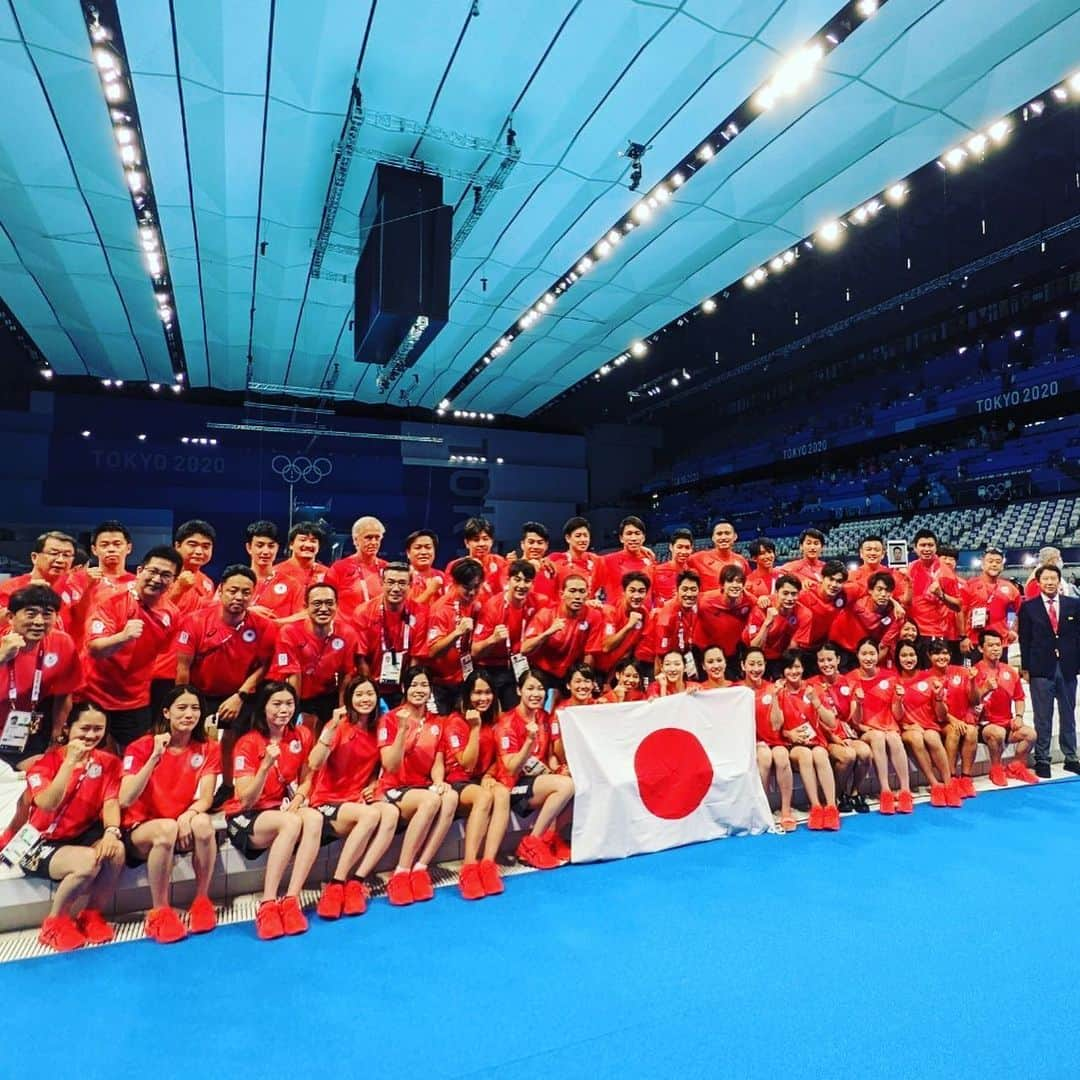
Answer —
323 663
223 656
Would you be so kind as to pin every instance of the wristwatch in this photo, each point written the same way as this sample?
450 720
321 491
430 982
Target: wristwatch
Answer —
115 830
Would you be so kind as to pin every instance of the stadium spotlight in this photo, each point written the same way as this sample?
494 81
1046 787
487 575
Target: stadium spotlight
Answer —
639 349
709 306
896 193
829 233
999 132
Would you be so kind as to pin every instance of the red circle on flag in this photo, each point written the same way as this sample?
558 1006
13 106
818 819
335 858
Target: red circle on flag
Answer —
673 773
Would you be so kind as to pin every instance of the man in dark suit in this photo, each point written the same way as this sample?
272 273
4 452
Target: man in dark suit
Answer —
1050 657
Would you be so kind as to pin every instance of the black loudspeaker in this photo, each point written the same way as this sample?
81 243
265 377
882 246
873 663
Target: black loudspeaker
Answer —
404 268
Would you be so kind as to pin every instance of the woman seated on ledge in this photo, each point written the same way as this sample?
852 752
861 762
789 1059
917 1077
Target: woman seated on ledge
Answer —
269 809
772 752
344 763
165 797
526 766
72 837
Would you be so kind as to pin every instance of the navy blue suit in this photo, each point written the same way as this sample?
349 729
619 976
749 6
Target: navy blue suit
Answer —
1052 661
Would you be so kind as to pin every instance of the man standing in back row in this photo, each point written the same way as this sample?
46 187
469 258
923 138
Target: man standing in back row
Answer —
1049 626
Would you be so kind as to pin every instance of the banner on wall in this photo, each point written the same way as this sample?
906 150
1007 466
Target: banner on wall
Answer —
651 775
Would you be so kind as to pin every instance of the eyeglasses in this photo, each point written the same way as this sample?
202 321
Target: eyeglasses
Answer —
54 554
164 575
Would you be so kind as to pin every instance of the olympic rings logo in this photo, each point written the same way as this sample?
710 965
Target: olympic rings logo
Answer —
301 469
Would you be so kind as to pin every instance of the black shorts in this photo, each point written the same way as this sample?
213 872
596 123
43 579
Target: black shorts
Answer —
239 726
127 725
329 813
240 827
396 794
38 865
321 707
521 795
132 858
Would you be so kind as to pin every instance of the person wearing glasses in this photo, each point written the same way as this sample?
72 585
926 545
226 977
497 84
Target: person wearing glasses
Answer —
51 561
317 656
126 634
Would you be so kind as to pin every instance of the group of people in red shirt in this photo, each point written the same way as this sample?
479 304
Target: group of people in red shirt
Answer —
313 703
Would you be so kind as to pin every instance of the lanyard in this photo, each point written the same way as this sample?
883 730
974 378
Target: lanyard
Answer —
405 631
66 801
682 630
35 691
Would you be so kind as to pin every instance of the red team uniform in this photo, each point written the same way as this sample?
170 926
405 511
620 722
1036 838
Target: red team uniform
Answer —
222 656
418 756
174 784
349 768
281 780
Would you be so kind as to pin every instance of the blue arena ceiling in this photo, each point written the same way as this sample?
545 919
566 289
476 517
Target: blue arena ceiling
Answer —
243 104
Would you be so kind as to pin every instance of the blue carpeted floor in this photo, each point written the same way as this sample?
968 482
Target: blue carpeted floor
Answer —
940 945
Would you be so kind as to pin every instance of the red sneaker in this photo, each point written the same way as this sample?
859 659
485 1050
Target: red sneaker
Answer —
356 897
954 792
1019 771
904 802
293 919
202 917
92 925
59 932
533 852
490 877
967 787
420 881
998 777
559 847
472 888
830 819
399 889
817 818
332 900
938 796
163 925
886 802
268 923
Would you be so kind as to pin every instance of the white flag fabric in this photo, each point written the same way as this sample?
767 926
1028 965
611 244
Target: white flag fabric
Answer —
650 775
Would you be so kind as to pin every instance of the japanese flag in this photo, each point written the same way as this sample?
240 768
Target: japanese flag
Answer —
650 775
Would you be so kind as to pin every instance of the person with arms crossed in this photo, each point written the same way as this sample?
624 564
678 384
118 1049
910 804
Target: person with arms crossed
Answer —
1049 632
165 795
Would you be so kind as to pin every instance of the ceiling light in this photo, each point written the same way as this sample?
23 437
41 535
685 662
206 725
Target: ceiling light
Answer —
106 382
1060 93
705 153
125 136
86 434
118 383
760 274
830 232
977 143
142 437
115 92
136 181
866 8
106 59
47 373
155 386
678 180
641 211
791 76
639 349
603 248
955 157
749 281
1074 81
789 257
709 306
776 264
896 193
129 155
999 132
176 388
